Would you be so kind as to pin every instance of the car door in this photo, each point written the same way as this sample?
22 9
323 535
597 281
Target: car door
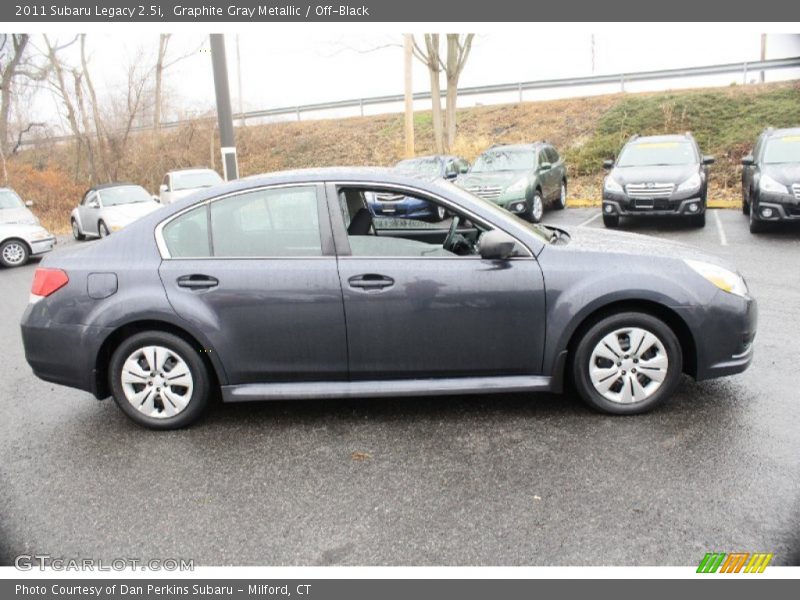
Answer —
255 271
410 315
89 212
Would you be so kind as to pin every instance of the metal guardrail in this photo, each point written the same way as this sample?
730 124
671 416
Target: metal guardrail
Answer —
743 68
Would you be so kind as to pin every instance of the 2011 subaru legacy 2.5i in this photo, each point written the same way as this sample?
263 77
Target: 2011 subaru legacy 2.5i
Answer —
285 286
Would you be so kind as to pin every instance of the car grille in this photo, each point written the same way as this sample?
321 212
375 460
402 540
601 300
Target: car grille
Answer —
488 192
796 190
650 190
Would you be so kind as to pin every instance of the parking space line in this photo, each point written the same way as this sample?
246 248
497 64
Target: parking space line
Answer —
723 240
587 221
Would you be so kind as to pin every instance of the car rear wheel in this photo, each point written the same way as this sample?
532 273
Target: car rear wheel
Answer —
14 253
627 363
611 221
159 380
102 230
537 208
76 231
562 198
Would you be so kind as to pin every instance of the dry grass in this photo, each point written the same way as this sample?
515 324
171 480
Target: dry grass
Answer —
586 130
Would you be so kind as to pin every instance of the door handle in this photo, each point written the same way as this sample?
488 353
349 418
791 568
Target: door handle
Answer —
197 282
370 281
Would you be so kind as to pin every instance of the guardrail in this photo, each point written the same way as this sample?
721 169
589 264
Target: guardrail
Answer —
743 68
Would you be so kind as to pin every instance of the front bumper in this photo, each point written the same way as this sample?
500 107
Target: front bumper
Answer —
724 332
623 205
782 207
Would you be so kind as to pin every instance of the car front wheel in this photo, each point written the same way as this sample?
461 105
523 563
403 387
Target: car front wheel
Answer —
611 221
561 204
159 380
102 229
627 363
537 208
14 253
76 231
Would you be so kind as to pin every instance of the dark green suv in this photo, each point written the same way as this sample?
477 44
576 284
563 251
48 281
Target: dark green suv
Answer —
522 178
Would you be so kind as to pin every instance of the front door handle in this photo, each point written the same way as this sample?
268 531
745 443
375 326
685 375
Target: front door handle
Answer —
370 281
197 282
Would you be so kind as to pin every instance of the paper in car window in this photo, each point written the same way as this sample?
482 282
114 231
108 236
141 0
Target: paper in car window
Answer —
791 138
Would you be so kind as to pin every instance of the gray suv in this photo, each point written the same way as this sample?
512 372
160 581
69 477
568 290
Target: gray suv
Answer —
657 175
522 178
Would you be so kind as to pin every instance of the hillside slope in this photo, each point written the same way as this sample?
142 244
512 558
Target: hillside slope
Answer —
725 122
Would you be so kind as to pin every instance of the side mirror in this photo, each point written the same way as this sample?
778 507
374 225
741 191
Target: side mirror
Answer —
464 169
545 166
496 245
29 203
748 160
608 164
94 204
708 159
450 175
162 188
156 199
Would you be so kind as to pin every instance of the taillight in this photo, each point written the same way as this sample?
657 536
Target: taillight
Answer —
47 281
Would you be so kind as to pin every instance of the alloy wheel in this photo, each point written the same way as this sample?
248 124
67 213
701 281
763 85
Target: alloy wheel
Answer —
14 253
537 208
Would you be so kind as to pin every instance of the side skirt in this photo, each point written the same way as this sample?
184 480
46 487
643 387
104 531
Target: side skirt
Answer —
384 388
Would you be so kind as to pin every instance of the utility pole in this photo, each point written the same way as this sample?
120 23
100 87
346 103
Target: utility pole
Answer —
592 54
230 166
408 59
239 82
763 52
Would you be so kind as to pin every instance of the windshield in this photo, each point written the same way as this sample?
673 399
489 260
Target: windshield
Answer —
504 160
420 166
643 154
9 199
195 179
124 194
782 150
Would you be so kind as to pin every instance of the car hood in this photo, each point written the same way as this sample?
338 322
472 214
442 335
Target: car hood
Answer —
17 215
786 173
130 212
657 174
501 179
633 244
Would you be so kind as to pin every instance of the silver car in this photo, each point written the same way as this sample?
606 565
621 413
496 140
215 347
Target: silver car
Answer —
107 208
21 234
181 183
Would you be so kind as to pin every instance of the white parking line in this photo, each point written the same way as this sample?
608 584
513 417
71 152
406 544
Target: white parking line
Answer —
722 239
587 221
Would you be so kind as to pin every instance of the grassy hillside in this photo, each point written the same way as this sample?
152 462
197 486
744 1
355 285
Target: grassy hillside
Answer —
587 130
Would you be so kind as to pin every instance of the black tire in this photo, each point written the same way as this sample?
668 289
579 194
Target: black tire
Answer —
14 253
698 220
756 225
102 230
532 215
745 204
592 337
611 221
76 233
201 390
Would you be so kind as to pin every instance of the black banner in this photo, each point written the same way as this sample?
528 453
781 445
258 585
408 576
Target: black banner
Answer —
266 11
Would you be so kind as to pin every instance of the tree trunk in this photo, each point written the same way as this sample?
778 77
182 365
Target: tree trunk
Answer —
99 128
163 42
434 69
408 56
16 51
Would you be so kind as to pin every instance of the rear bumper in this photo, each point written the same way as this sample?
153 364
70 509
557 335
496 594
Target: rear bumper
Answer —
63 354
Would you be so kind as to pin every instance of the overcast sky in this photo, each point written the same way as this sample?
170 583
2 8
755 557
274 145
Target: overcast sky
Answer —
282 68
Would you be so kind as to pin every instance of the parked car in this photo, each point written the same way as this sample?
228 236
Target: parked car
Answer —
660 175
21 234
521 178
398 205
107 208
771 179
180 183
284 286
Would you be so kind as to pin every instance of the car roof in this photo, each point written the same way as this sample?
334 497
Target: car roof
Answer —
662 138
513 147
785 131
366 174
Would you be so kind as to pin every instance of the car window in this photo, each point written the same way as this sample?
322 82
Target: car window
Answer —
782 150
9 199
266 223
657 153
124 194
187 236
552 155
195 179
504 160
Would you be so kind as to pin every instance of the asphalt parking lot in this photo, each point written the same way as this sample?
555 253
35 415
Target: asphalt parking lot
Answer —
490 480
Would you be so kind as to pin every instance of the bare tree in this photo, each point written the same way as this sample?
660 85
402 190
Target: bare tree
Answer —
458 49
429 56
162 64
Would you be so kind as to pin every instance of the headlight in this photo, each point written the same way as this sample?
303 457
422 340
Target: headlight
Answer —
517 186
690 184
611 185
726 280
768 184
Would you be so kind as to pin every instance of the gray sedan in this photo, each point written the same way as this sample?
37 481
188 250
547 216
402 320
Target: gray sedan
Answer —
285 286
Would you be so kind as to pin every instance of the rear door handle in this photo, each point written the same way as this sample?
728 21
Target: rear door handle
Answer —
370 281
197 282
